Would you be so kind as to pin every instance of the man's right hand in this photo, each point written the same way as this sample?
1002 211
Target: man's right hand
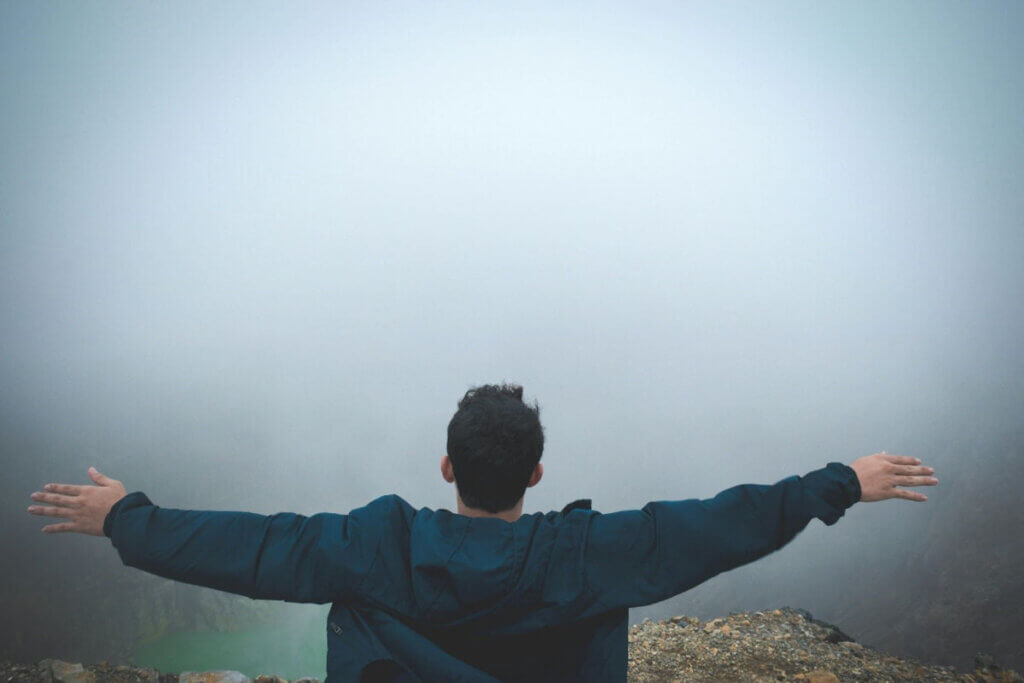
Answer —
880 474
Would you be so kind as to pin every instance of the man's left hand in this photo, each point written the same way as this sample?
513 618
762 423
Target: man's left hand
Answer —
85 506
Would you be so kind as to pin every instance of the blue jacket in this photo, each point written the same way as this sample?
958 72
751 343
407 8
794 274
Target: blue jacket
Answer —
432 595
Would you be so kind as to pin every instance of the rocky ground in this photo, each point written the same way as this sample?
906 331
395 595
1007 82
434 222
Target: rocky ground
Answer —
778 645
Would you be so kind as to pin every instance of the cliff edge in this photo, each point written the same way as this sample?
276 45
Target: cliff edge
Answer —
776 645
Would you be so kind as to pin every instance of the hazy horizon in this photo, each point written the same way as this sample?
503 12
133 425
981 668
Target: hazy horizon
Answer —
252 255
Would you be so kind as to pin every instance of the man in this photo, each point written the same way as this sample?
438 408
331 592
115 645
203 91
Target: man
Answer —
488 593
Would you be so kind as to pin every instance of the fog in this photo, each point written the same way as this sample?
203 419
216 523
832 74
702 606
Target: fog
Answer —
251 256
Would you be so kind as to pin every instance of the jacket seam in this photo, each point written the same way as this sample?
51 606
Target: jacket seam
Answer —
583 561
458 546
358 589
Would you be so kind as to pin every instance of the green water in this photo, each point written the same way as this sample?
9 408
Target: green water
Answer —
290 651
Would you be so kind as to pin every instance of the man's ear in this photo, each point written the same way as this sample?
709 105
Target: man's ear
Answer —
446 469
538 472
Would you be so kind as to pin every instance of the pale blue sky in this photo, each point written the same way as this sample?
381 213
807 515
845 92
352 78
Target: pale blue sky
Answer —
796 215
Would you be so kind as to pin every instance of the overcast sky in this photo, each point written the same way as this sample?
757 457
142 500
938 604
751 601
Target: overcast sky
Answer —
252 254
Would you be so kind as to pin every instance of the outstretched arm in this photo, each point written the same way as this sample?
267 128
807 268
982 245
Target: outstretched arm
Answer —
285 556
637 557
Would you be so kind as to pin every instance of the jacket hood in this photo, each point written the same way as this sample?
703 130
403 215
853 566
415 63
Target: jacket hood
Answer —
462 569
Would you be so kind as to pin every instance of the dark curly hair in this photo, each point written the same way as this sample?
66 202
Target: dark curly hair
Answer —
495 441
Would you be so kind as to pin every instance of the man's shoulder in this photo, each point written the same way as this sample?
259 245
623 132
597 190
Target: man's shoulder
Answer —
388 504
390 511
389 500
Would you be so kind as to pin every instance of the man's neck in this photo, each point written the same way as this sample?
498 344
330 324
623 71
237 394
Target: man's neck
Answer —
510 515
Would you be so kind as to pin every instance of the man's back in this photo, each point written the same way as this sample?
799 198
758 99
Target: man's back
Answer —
431 595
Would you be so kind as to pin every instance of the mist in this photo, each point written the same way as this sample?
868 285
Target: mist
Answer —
252 255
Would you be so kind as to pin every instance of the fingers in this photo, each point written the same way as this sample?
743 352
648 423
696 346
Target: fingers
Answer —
909 469
909 495
901 459
56 499
66 489
59 528
50 511
915 481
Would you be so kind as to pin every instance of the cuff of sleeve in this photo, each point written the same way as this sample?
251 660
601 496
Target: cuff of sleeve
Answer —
830 491
848 480
132 500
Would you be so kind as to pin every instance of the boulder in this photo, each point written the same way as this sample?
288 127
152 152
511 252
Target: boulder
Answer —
818 676
213 677
59 671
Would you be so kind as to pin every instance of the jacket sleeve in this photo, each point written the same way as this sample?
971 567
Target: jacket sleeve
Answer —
637 557
285 556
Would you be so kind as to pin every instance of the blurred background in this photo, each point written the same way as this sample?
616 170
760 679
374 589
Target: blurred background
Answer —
252 254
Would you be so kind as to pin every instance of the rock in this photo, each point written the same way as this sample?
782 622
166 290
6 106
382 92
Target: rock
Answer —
57 666
59 671
263 678
78 677
802 612
833 634
306 680
213 677
712 625
130 674
818 676
984 661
